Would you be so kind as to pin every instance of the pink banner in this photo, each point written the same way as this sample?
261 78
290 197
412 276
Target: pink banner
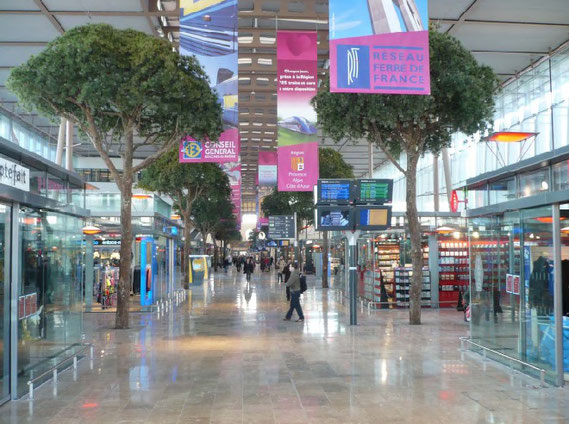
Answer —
267 175
396 63
297 133
298 167
224 150
233 171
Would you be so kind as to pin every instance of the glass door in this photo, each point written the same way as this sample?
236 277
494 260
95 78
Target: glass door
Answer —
4 302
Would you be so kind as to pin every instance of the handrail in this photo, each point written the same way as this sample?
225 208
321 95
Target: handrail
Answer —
56 366
510 358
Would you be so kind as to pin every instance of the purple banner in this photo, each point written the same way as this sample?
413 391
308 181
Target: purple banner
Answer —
233 171
379 46
226 149
297 134
267 175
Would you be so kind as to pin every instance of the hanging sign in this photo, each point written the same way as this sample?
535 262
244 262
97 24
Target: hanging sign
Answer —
379 46
454 201
296 122
267 169
226 149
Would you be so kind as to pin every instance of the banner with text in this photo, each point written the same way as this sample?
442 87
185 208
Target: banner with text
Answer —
267 169
226 149
379 46
233 171
208 31
296 123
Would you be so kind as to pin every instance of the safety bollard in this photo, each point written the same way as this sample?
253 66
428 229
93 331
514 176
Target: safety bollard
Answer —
91 352
55 377
31 388
75 362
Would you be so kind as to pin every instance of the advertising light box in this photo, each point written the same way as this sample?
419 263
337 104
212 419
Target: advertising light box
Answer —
338 191
338 218
373 191
373 217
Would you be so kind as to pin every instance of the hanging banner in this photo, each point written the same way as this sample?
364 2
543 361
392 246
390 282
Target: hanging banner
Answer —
297 134
267 169
379 46
233 171
226 149
208 31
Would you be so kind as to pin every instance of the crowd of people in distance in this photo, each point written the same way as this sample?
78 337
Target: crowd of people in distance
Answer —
287 273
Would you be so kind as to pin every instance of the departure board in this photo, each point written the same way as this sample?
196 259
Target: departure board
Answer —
334 191
282 227
373 217
374 191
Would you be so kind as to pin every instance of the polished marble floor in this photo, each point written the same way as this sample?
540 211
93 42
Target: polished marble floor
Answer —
226 356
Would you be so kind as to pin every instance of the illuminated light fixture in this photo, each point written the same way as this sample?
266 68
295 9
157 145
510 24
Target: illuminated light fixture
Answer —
548 219
510 137
91 230
456 234
445 230
565 230
141 196
475 234
175 216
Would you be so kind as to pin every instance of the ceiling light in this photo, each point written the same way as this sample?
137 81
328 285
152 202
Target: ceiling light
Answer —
510 137
445 230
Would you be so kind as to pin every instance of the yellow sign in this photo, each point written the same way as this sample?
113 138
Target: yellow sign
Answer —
192 6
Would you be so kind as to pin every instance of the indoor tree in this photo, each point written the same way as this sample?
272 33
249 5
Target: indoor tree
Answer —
406 127
331 164
183 183
211 208
126 91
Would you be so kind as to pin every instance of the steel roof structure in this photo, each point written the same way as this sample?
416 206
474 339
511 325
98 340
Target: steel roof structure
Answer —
508 35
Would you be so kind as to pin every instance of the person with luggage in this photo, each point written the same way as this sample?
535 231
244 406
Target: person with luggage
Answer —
294 285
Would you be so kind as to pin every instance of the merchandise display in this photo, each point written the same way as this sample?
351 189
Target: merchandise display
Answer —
387 257
453 272
403 282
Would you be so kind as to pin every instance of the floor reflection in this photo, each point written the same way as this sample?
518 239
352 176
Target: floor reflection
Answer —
226 356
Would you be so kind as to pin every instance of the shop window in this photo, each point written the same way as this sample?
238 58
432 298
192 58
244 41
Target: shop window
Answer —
502 191
561 176
534 182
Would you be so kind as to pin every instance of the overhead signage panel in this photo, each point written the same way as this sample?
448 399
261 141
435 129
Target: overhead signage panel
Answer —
373 217
373 191
282 227
336 191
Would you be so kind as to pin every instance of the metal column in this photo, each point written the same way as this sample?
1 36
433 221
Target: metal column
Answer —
89 280
352 241
446 168
558 296
14 290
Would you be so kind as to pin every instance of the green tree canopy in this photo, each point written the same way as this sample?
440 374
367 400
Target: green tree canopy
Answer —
461 100
183 183
126 90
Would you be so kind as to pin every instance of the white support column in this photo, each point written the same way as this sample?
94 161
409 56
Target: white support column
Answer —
69 147
446 167
557 296
370 163
436 191
60 141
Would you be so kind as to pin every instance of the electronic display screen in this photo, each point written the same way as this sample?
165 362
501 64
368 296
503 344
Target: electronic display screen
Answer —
336 219
374 191
334 191
373 217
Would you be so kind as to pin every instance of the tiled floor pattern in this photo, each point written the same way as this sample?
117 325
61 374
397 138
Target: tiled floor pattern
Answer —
226 356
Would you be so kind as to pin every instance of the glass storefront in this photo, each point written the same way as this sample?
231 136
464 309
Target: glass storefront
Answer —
50 296
512 284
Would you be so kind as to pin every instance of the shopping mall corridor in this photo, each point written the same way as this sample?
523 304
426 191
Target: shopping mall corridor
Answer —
226 356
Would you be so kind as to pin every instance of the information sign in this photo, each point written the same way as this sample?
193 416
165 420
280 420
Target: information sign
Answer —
334 191
282 227
374 191
373 217
334 218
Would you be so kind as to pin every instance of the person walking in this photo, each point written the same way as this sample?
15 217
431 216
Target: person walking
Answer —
280 268
294 285
249 268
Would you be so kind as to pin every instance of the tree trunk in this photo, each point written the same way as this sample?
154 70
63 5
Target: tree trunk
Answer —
415 235
186 254
325 260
